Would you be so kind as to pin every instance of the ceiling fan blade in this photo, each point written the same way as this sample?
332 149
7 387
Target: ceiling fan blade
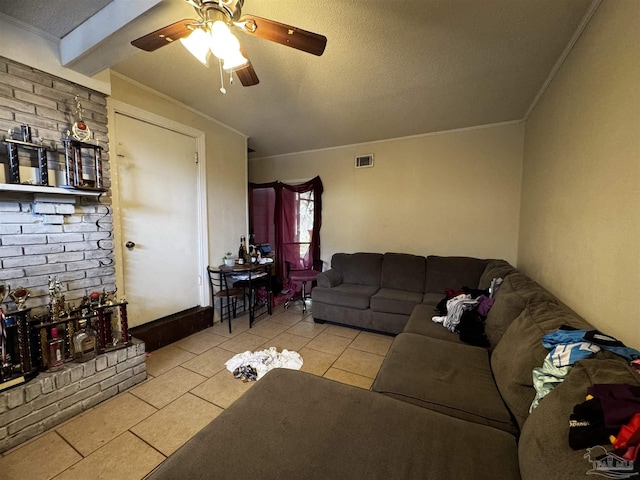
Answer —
164 35
294 37
247 75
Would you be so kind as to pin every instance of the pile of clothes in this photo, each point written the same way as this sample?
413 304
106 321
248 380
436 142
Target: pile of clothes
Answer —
464 312
610 414
250 366
567 345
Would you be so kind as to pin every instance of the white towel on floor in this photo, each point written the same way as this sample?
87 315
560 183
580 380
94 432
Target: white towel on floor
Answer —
265 360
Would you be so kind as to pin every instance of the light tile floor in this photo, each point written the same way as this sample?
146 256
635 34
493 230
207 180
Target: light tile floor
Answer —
188 386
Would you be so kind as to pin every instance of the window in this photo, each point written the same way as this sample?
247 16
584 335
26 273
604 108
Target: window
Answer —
288 217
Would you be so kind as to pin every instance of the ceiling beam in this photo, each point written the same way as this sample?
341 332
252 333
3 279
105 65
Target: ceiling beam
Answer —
104 39
41 52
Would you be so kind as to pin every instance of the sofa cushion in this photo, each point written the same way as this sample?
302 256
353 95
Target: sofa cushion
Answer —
401 271
293 425
494 269
453 272
544 448
447 377
395 301
345 295
521 350
432 299
420 322
359 268
515 292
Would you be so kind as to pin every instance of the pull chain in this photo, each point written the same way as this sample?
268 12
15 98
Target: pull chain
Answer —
222 89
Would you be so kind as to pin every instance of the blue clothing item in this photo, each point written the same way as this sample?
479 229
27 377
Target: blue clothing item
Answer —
613 345
568 346
562 336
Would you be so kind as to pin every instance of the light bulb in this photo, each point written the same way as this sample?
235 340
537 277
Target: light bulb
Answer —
222 40
198 43
234 60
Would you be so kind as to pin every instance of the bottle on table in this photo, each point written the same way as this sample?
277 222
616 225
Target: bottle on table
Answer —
241 251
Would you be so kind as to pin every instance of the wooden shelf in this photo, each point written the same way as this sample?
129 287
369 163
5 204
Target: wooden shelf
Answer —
14 187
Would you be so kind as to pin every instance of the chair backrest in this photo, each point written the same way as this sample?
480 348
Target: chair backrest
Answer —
217 281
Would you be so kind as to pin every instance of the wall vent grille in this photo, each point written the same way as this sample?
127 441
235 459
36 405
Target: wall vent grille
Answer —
364 161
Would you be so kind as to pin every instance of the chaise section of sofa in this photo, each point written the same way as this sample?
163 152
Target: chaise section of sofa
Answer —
293 425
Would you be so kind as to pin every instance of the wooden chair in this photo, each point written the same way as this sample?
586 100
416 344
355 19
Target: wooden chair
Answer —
219 288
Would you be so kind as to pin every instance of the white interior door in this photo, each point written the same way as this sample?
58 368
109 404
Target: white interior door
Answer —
158 199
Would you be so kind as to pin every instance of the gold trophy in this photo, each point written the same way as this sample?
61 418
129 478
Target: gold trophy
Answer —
20 295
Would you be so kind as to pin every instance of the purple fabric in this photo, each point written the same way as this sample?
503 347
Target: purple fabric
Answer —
620 402
303 275
485 305
274 213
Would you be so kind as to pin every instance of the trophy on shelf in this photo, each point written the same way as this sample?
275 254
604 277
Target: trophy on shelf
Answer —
56 299
19 296
79 130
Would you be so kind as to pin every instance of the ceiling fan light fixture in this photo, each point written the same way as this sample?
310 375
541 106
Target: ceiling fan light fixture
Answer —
226 46
235 60
223 42
198 44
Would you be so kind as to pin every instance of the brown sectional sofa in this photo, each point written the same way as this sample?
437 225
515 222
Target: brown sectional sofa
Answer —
438 409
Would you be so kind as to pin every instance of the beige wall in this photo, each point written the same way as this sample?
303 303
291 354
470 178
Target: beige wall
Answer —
455 193
225 160
580 218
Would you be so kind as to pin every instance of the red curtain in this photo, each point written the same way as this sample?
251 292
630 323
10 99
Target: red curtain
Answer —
288 217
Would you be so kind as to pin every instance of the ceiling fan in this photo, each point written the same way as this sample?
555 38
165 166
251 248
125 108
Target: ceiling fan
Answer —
211 33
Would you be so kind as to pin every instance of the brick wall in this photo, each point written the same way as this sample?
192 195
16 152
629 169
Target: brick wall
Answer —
54 397
49 234
42 235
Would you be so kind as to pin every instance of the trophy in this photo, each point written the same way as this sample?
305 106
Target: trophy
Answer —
3 293
79 131
56 299
20 295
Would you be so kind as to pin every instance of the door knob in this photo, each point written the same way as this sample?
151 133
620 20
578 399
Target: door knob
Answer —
129 244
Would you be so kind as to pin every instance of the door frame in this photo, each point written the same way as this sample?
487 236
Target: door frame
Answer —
118 107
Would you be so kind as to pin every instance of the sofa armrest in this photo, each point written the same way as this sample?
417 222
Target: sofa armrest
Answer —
330 278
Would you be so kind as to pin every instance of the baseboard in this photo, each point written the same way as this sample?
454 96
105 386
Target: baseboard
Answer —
172 328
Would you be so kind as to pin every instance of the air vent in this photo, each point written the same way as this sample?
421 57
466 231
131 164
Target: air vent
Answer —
363 161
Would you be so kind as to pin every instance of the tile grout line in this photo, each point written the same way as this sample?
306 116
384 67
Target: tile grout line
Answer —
208 401
147 443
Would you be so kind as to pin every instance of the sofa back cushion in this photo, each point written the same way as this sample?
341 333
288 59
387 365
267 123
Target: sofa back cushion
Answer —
401 271
494 269
516 291
453 272
520 351
544 450
358 268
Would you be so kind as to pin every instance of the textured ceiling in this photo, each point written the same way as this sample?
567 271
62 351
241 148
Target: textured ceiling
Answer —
391 68
55 17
